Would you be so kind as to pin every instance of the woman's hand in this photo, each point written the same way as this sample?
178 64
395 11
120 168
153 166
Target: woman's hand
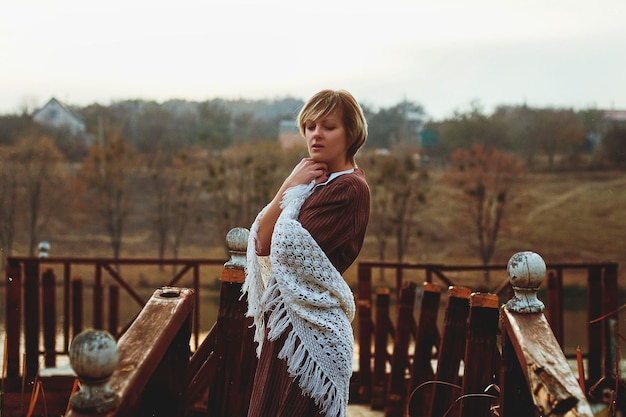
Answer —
303 173
306 171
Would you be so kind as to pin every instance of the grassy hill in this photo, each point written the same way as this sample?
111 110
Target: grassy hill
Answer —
565 217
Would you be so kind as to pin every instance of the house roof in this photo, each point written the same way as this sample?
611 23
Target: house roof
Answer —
615 115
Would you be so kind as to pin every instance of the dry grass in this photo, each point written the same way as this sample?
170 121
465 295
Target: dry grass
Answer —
565 217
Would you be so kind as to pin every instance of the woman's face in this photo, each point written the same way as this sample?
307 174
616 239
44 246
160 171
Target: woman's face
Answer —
327 141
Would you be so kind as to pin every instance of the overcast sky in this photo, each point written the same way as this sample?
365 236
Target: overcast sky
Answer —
443 54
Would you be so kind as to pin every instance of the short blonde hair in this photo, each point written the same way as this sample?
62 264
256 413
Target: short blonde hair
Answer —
326 102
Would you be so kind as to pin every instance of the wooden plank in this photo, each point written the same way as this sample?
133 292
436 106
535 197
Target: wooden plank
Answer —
451 350
398 382
427 338
552 384
481 355
383 329
13 322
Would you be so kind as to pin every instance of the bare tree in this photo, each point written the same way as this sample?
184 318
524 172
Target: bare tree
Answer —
240 181
40 165
107 174
8 203
399 184
486 179
176 186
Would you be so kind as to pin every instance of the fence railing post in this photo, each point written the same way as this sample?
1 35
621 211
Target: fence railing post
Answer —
482 361
32 314
48 288
13 321
229 394
451 350
426 339
535 366
384 329
362 383
405 327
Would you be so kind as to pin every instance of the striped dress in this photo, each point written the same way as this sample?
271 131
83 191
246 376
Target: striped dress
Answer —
336 215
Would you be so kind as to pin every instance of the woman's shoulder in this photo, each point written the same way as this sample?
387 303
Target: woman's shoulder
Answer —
357 178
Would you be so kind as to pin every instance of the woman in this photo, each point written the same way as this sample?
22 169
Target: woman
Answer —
299 246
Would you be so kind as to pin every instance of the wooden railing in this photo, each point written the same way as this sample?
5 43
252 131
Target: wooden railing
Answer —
601 328
463 378
31 294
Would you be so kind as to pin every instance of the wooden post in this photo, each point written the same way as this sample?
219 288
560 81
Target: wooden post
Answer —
397 390
98 299
32 311
555 304
451 350
67 312
427 338
594 328
94 356
481 355
530 341
48 285
229 396
13 321
384 328
362 382
114 309
77 306
610 327
150 378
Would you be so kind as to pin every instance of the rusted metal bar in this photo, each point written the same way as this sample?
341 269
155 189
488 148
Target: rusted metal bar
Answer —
32 312
594 328
77 306
397 390
384 329
451 351
13 316
48 288
427 339
555 304
114 309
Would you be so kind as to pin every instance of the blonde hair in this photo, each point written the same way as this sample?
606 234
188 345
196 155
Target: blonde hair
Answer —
326 102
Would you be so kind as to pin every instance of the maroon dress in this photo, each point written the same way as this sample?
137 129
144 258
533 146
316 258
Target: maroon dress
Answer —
336 215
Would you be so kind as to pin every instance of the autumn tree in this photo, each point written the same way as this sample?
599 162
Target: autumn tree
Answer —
106 175
613 147
486 180
395 126
240 181
8 202
176 184
40 168
399 185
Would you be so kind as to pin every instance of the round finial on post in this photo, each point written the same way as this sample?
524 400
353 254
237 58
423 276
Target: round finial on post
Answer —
237 242
527 271
94 356
44 249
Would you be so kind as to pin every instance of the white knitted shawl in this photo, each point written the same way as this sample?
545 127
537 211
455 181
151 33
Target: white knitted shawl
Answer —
302 288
